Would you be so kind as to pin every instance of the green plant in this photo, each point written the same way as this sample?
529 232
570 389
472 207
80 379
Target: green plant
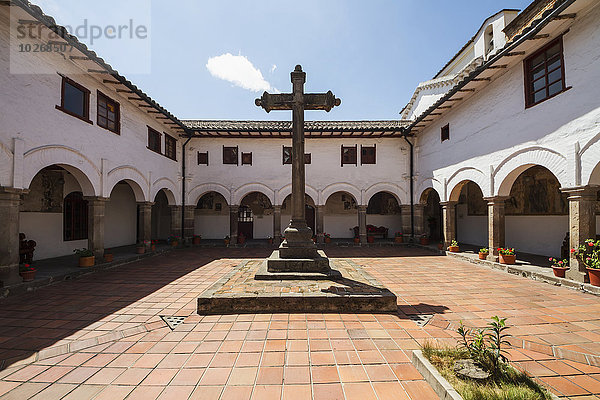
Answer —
26 268
506 251
559 263
84 252
173 238
589 253
326 235
454 243
484 251
398 234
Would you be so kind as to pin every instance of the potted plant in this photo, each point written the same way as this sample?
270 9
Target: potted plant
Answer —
327 237
507 255
226 240
424 240
153 244
559 267
241 238
27 272
484 253
370 239
356 239
197 239
86 257
141 247
454 248
398 237
270 240
589 254
173 240
108 256
314 238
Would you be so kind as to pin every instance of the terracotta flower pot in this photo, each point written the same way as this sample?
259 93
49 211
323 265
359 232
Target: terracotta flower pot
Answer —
594 274
370 239
226 241
327 240
559 272
28 276
197 240
140 250
453 249
241 240
507 259
424 241
440 246
398 239
109 258
483 256
174 243
153 247
357 240
86 262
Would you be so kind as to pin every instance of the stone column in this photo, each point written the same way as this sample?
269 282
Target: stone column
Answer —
496 225
233 223
277 225
449 221
405 216
96 214
582 225
144 221
320 223
420 228
189 223
175 220
362 224
10 201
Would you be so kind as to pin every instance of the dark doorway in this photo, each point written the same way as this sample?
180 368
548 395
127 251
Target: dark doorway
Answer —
310 217
246 222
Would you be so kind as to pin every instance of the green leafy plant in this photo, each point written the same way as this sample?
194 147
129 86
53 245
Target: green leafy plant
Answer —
327 236
484 251
173 238
26 268
588 253
454 243
559 263
398 234
506 251
84 252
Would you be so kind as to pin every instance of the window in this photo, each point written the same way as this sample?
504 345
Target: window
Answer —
154 140
170 147
75 217
75 100
349 155
109 113
308 158
230 155
287 156
203 158
246 158
545 73
245 214
367 155
445 132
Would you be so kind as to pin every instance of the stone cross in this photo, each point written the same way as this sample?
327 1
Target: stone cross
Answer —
298 242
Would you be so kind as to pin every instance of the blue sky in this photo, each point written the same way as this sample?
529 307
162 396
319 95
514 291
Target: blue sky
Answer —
371 54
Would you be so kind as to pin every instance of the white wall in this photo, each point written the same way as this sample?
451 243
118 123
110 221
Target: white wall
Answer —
392 222
212 226
47 230
340 226
120 222
263 226
541 235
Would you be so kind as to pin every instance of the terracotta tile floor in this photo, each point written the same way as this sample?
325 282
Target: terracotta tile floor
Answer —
289 356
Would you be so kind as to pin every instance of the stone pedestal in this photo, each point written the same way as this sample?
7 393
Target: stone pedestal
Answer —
449 221
320 211
144 222
362 224
496 225
277 225
175 220
233 223
10 200
189 223
96 215
582 225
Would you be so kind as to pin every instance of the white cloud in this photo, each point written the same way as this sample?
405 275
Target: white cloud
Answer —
273 68
239 71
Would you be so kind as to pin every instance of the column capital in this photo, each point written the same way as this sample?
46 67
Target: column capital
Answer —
362 208
4 190
496 199
446 204
90 199
145 203
234 208
582 192
276 208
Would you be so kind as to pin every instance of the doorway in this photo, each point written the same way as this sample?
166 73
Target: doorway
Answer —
246 222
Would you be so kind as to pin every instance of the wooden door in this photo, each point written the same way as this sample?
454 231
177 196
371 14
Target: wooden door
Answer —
246 222
310 218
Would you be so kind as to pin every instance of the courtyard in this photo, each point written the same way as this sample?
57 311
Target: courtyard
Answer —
103 336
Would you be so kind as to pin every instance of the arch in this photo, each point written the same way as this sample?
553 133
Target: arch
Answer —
340 187
197 192
429 183
245 190
514 165
595 176
133 177
170 189
82 168
285 191
590 173
425 195
460 177
394 190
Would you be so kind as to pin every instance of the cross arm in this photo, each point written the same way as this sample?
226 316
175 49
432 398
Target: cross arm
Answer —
321 101
269 102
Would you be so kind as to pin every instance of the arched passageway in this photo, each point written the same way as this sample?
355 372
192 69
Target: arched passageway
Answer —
212 216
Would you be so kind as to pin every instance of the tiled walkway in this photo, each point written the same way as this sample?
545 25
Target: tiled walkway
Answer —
102 336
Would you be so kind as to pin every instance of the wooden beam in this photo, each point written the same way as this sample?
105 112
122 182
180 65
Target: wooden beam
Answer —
435 113
162 117
514 53
124 91
481 79
97 71
566 16
135 98
153 112
498 66
56 42
145 106
542 36
83 58
457 99
444 107
111 82
466 90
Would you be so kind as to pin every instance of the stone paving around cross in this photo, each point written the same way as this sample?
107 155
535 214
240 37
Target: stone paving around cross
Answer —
102 336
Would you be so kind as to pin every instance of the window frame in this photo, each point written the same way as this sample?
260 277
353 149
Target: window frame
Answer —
247 158
159 141
283 155
529 93
117 113
362 161
355 148
203 153
82 227
169 138
86 99
237 155
445 133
